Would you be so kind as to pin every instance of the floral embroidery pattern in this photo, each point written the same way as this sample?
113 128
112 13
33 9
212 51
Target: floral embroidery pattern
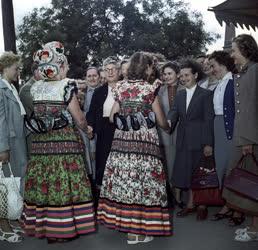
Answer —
134 172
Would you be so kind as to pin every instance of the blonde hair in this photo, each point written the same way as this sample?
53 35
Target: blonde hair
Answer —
7 59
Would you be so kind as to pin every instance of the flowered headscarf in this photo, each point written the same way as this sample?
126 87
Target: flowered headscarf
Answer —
51 60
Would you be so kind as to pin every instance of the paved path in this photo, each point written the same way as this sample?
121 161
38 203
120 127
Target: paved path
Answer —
188 235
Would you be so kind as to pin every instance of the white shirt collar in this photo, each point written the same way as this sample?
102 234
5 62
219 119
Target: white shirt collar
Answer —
191 89
227 77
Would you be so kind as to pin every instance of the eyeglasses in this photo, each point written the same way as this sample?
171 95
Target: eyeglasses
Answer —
110 69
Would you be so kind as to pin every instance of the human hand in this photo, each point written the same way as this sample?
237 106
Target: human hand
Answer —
247 149
81 84
157 82
81 97
207 151
89 132
93 156
169 123
4 156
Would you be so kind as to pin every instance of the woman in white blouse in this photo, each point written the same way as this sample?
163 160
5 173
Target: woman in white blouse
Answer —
223 66
98 115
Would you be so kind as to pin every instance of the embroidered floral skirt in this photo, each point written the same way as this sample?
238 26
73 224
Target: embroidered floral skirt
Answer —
133 195
57 199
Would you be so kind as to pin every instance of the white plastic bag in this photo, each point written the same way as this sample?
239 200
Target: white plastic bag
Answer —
11 201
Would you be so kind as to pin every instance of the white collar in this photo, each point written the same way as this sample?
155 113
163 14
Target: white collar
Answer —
227 77
191 89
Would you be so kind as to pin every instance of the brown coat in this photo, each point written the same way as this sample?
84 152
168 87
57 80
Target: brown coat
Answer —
245 131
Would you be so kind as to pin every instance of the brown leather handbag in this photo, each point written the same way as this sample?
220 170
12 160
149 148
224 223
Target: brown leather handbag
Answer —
243 182
205 175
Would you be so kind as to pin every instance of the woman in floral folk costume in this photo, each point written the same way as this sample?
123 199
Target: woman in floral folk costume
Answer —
133 194
58 199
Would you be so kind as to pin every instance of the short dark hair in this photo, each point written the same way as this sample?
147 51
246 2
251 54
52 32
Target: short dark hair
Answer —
222 57
247 46
201 55
92 67
194 66
172 65
138 65
34 67
123 62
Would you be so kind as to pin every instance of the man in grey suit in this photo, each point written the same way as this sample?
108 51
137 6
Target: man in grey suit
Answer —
92 82
26 98
194 114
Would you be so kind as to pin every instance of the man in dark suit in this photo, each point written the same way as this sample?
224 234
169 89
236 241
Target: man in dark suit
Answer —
193 111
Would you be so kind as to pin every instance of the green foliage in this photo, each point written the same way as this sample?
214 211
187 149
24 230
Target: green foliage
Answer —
92 30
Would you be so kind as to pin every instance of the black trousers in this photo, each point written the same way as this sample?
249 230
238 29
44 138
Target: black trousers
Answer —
103 147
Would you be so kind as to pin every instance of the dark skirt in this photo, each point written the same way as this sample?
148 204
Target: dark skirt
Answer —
186 162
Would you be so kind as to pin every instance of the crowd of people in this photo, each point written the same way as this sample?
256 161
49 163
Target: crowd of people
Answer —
121 147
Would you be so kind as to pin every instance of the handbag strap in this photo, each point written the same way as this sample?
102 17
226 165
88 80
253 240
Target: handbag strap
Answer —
240 162
10 169
2 172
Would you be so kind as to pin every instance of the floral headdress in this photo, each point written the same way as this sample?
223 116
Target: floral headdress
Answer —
51 60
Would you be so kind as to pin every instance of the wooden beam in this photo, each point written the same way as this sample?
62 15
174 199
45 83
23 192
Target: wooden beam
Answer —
8 26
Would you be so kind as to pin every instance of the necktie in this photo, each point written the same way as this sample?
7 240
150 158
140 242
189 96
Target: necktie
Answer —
171 94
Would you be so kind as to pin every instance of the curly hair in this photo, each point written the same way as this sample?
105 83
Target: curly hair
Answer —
222 57
172 65
138 65
7 59
194 66
247 46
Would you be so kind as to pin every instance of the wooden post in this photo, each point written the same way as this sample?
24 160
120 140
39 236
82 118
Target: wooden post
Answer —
230 33
8 26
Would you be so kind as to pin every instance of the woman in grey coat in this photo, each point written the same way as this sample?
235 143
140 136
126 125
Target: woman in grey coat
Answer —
245 55
12 131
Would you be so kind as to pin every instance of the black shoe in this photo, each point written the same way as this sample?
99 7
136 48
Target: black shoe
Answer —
180 204
221 216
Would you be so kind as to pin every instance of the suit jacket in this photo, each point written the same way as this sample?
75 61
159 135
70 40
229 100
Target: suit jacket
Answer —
246 105
26 97
95 114
27 102
12 130
229 109
195 126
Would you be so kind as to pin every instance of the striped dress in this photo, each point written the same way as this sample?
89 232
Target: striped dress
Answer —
133 194
57 199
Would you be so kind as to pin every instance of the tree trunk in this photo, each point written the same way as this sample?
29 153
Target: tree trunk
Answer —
8 26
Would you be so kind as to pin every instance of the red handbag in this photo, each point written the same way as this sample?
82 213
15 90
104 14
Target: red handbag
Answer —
205 184
208 197
242 181
205 175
